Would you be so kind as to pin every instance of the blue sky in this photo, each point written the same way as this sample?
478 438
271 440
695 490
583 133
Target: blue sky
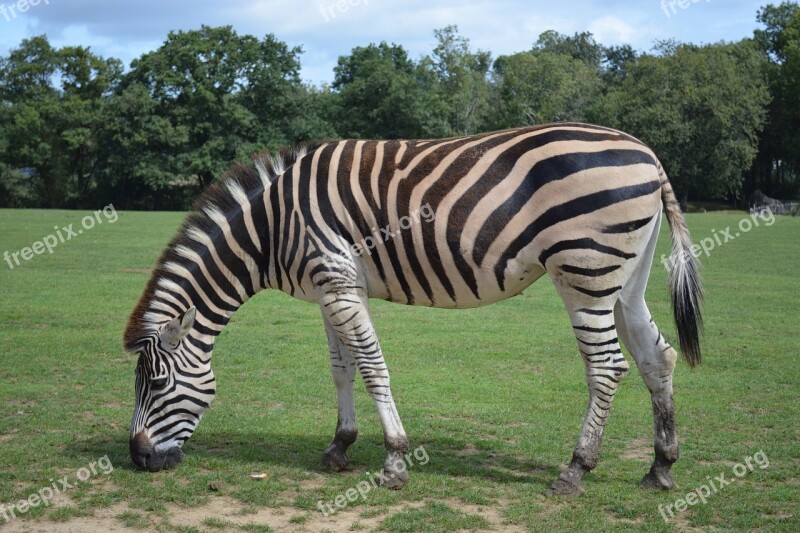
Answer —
329 28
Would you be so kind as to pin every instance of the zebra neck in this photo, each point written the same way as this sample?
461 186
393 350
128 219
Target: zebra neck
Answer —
215 269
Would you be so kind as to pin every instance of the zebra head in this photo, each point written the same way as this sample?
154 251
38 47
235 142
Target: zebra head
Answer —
174 386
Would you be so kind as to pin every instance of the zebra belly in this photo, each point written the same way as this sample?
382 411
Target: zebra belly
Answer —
518 276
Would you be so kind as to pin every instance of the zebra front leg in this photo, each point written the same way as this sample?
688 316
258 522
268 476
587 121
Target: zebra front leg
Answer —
343 370
605 367
347 316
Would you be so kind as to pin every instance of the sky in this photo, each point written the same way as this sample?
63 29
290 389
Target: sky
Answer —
327 29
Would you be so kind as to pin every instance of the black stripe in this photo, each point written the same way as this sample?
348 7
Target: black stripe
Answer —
594 330
582 244
260 221
295 245
325 207
274 201
368 155
390 149
597 293
612 341
164 417
286 221
240 234
303 193
627 227
589 272
598 312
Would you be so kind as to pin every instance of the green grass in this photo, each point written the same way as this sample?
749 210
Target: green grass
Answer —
495 396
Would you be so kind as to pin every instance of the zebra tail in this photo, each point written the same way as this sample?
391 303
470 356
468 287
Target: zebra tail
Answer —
684 277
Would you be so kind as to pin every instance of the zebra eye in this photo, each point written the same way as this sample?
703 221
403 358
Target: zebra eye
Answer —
158 383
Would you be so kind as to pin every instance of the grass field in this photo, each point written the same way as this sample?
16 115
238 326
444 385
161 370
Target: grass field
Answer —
494 395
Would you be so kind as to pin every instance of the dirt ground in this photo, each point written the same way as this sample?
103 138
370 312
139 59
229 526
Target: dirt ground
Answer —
229 510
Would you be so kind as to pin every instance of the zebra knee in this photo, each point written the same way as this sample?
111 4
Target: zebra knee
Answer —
345 436
586 456
396 444
657 375
604 376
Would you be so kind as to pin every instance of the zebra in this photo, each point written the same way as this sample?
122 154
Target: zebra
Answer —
336 223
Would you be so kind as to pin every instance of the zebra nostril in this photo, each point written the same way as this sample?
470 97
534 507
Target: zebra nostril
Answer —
141 450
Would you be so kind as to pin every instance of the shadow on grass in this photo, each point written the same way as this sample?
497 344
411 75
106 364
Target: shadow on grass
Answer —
258 450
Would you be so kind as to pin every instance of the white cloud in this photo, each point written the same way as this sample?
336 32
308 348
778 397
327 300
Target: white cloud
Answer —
613 30
128 29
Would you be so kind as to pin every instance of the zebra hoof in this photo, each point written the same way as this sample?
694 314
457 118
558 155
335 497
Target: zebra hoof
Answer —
562 487
655 480
335 459
394 480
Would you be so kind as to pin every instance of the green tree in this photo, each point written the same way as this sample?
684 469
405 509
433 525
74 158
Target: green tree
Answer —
52 104
311 113
140 167
581 46
462 80
227 93
700 108
539 86
380 96
617 61
777 168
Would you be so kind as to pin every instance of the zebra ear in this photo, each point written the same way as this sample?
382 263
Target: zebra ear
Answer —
177 328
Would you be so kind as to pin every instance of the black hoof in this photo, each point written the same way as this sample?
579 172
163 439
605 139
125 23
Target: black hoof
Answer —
335 459
657 480
562 487
394 480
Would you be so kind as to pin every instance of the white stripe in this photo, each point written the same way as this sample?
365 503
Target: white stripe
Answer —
250 263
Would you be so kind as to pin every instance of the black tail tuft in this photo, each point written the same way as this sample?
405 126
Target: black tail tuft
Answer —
684 277
686 309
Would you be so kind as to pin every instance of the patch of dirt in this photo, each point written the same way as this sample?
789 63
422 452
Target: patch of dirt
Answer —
551 505
224 508
639 449
469 449
718 464
314 483
5 437
614 519
106 522
492 513
681 523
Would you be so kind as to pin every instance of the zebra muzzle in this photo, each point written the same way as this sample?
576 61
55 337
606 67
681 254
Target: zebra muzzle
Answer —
145 456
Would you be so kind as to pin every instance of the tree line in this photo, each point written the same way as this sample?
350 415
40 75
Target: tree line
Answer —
78 130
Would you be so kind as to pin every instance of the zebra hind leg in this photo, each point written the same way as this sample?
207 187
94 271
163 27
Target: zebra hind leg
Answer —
656 361
595 331
343 370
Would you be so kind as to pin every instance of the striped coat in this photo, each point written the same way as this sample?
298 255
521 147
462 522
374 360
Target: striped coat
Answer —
451 223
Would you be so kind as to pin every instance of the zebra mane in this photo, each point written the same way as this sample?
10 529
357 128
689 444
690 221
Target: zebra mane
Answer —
223 196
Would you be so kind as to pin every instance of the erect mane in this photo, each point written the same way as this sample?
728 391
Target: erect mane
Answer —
252 178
